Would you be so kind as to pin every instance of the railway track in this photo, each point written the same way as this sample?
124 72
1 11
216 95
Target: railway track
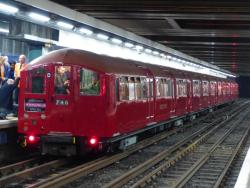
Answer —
63 174
204 163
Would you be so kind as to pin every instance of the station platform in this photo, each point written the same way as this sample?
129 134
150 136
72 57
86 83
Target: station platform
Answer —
8 123
243 180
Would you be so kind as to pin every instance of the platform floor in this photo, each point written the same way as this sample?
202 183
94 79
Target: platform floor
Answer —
9 122
243 180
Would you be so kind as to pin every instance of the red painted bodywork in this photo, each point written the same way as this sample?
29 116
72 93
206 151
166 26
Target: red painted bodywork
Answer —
105 116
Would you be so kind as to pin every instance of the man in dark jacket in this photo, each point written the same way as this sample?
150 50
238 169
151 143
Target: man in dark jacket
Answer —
6 102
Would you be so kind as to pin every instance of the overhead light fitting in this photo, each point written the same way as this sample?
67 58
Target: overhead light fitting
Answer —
138 47
155 53
65 25
128 44
2 30
8 9
148 50
102 36
86 31
39 17
116 41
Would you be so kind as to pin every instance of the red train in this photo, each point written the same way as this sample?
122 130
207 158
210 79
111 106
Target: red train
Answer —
73 101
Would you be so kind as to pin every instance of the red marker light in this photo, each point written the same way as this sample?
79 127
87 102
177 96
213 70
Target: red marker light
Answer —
31 138
93 141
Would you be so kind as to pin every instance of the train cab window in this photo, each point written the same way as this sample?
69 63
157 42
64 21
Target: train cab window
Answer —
196 88
205 88
62 80
89 82
212 88
124 88
35 82
181 88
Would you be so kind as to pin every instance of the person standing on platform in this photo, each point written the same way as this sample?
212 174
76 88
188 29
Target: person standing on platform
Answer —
18 68
6 68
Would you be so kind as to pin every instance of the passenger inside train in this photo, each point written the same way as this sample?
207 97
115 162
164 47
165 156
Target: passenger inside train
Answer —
62 80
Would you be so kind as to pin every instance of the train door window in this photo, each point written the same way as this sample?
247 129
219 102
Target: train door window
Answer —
138 88
158 87
144 85
131 88
169 88
181 88
151 87
219 88
196 88
62 80
35 82
205 88
212 88
124 88
89 82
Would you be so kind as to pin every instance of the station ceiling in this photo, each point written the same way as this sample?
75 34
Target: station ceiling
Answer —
216 31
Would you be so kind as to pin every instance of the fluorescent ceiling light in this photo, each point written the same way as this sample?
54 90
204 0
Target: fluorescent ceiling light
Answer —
148 50
169 56
155 53
128 44
39 17
102 36
65 25
116 41
8 8
2 30
85 31
138 47
163 55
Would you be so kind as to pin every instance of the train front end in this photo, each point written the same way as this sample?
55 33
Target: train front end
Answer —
45 108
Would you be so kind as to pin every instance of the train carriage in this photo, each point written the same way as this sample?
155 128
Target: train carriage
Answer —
73 101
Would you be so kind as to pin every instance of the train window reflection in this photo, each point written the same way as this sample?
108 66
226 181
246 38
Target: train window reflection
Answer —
62 80
89 82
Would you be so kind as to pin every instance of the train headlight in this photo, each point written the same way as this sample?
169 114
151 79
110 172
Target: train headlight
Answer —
26 116
43 116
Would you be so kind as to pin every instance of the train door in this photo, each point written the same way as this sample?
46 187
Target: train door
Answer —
151 112
61 99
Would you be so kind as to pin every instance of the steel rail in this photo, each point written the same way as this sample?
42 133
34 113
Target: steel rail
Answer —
195 167
28 172
120 181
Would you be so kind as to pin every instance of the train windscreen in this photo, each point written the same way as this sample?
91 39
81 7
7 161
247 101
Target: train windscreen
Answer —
35 82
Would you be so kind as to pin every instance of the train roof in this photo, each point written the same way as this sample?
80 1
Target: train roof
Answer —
107 64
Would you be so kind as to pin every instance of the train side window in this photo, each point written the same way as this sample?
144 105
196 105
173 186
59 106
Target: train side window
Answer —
89 82
158 87
219 88
205 88
196 88
131 88
169 88
181 88
124 88
144 85
138 88
35 82
212 88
